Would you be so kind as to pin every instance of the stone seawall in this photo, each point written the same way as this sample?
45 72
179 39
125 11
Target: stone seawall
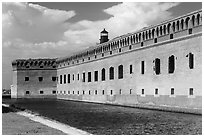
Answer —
164 103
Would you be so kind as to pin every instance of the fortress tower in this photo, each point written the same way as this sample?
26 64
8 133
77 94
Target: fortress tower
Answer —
34 78
104 36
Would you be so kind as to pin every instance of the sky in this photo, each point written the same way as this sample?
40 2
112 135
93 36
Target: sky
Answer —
49 30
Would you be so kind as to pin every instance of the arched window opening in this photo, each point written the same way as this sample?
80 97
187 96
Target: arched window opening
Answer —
168 28
171 64
157 31
143 36
149 34
157 66
139 37
134 39
191 60
160 30
182 24
193 20
187 22
173 27
103 74
111 73
198 19
120 72
177 24
146 35
164 29
153 31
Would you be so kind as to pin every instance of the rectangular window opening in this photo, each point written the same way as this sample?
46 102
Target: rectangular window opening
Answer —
54 92
142 67
131 69
190 31
190 91
155 40
172 91
142 91
26 78
40 79
171 36
95 75
89 76
156 91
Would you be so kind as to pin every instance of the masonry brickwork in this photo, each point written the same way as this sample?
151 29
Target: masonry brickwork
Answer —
160 65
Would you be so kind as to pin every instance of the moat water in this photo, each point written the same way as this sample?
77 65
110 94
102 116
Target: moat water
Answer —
109 120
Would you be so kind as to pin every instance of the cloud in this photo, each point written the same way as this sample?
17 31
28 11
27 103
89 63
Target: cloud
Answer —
33 31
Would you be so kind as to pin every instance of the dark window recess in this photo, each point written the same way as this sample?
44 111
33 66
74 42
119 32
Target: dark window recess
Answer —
120 91
26 78
142 67
41 92
172 91
89 92
191 91
78 92
103 92
83 92
95 75
130 91
64 79
111 92
41 66
83 78
73 92
64 92
102 54
157 66
60 79
40 79
27 66
142 44
191 61
142 91
95 56
83 60
78 76
171 36
156 91
73 62
171 64
120 72
110 52
190 31
89 76
103 74
68 92
88 58
54 92
77 61
155 40
119 49
130 47
54 78
73 77
27 92
68 77
96 92
131 69
111 73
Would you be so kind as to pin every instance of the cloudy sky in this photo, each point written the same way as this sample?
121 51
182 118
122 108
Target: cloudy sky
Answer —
48 30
